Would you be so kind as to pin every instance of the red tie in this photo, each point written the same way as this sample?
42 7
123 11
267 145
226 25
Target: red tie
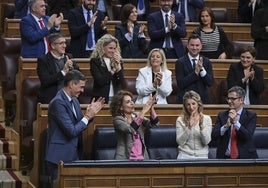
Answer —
42 25
234 150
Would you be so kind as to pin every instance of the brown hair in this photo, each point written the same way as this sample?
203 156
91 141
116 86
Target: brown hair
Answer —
125 12
211 14
117 102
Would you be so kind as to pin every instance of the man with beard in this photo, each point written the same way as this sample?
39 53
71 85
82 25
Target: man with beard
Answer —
166 28
86 26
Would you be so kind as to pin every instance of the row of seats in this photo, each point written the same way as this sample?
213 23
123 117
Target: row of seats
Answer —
161 143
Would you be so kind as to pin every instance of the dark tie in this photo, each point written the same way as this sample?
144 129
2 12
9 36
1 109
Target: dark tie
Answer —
42 25
194 63
141 5
168 35
182 10
73 108
234 149
89 34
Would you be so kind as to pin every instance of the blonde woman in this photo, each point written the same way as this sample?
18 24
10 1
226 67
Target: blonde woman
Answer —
106 68
193 129
155 78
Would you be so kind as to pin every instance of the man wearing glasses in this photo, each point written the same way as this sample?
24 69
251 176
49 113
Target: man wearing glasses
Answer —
234 128
52 67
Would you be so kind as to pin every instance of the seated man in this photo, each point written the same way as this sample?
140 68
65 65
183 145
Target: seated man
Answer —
52 67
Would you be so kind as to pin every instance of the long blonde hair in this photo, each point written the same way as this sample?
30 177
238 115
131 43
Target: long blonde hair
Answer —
106 39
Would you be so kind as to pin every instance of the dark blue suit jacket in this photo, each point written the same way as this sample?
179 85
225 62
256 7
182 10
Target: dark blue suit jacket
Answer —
78 29
21 8
191 8
246 148
64 130
157 33
32 36
188 80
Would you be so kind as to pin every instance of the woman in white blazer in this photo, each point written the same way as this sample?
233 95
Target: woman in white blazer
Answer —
155 78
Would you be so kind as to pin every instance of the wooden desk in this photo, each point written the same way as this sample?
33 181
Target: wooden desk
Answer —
237 31
167 115
164 173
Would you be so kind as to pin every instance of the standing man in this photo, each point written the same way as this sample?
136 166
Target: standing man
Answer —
166 28
247 8
234 128
66 122
52 67
188 8
86 26
259 32
35 28
194 71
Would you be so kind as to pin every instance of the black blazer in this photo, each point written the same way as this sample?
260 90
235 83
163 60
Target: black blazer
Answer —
102 79
136 48
256 86
246 148
49 77
188 80
78 29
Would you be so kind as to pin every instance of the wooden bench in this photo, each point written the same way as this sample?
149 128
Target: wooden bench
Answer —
234 31
164 174
167 115
27 69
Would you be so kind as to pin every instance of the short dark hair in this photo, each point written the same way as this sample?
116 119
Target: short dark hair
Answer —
194 36
249 49
74 75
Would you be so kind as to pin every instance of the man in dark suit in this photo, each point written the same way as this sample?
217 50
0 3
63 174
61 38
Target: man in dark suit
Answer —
188 8
247 8
35 28
21 8
234 128
143 7
52 67
259 32
63 6
166 28
66 122
85 21
193 71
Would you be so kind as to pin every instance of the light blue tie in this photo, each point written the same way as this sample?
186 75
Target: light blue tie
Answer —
89 34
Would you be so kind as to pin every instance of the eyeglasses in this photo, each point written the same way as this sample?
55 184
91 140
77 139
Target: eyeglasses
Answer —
231 98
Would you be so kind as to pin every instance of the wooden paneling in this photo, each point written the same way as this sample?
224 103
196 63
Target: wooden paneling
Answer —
164 174
234 31
27 69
